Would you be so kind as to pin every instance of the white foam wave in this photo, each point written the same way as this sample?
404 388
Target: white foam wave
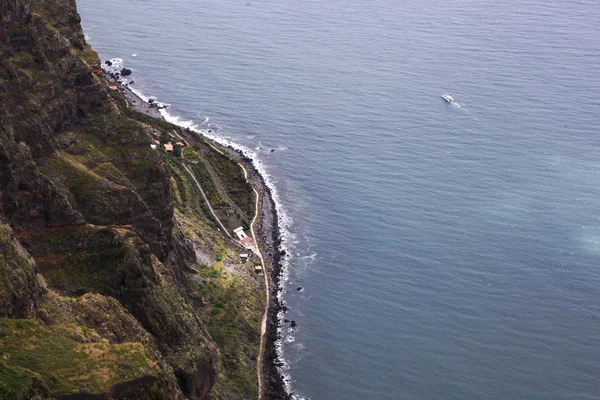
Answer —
140 94
297 397
311 257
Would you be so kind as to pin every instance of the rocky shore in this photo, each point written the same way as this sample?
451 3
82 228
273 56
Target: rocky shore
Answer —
138 104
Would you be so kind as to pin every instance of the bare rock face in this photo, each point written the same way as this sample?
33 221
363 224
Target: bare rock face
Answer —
20 293
90 248
12 9
29 199
43 75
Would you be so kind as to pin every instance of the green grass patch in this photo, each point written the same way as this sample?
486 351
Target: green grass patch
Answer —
234 181
234 324
208 186
14 382
69 359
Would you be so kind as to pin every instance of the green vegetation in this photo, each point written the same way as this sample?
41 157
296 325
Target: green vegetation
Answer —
191 153
83 271
74 19
17 277
78 44
234 182
14 382
234 324
190 198
68 358
208 186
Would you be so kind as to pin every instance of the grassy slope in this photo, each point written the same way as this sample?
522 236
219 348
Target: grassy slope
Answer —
68 358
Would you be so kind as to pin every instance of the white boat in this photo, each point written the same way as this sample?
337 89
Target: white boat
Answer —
447 97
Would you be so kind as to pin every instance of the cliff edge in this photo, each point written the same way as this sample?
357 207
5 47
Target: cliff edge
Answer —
115 283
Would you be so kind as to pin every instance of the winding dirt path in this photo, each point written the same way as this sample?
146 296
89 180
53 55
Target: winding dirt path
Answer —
212 211
206 200
263 325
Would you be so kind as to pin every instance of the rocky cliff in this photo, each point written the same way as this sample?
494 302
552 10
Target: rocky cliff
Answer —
100 294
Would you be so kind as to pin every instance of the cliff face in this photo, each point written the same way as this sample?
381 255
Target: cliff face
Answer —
95 301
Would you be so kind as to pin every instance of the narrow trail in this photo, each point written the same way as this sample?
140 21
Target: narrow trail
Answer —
263 325
212 211
220 188
206 200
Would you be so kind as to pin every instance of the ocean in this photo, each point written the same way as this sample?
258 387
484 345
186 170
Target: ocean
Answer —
446 251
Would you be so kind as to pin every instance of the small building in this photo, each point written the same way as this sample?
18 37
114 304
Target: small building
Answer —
153 146
194 162
156 141
113 88
246 240
258 269
180 144
244 256
168 147
239 232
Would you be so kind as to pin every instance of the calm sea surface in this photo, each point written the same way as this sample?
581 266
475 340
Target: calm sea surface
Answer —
447 251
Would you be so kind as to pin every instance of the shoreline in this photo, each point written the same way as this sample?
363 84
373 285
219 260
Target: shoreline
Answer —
269 234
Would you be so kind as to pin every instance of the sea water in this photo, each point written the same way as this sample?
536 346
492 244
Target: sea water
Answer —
447 251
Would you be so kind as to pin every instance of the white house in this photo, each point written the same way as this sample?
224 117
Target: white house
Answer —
246 240
240 233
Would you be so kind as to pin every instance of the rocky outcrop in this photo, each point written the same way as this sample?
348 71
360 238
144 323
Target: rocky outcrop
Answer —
20 292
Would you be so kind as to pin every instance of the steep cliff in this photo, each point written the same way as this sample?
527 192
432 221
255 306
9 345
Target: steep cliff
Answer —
101 296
